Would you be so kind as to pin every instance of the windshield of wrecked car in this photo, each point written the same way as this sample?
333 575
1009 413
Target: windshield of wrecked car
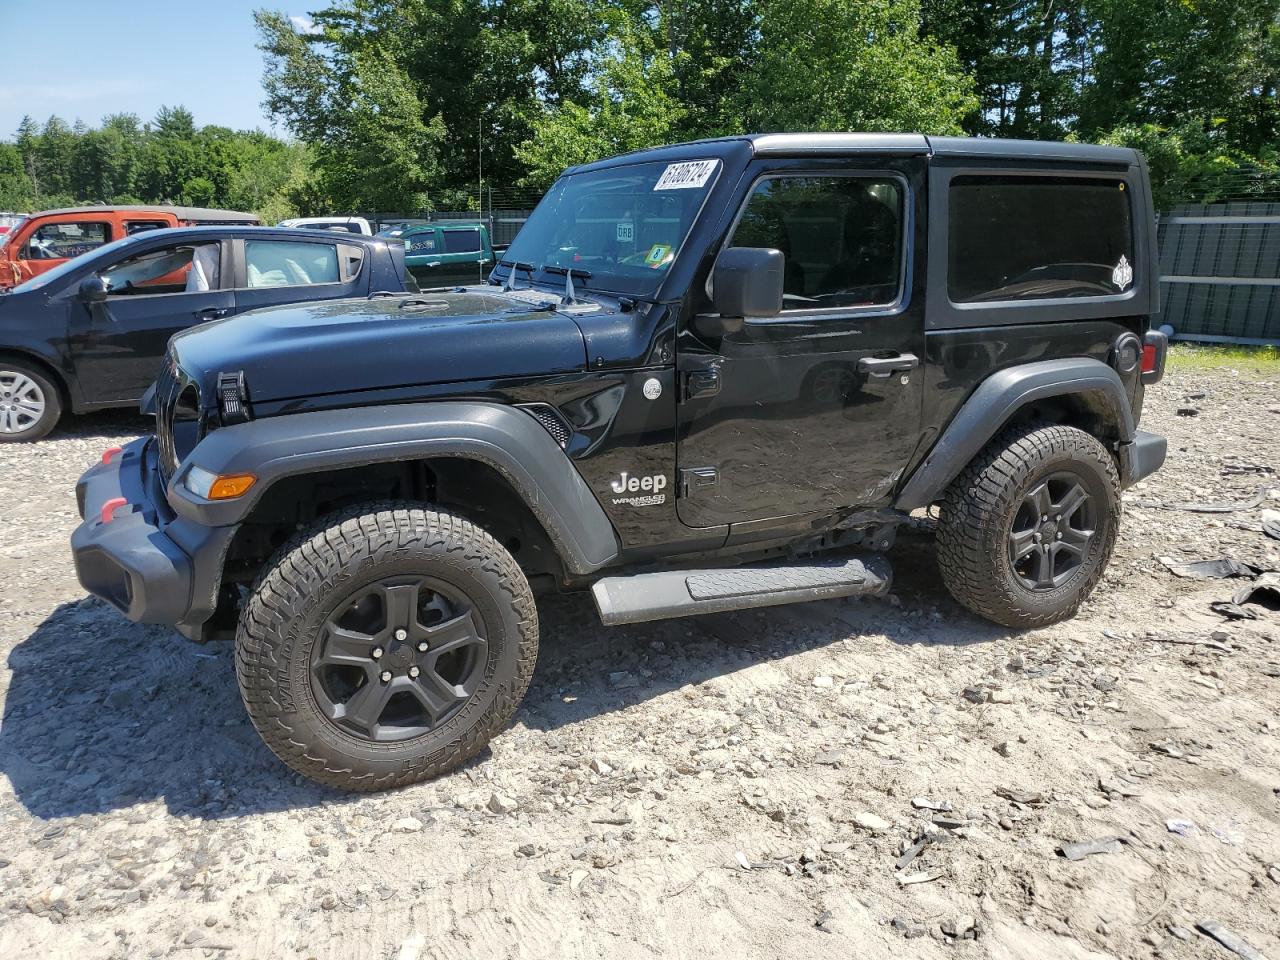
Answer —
70 266
619 228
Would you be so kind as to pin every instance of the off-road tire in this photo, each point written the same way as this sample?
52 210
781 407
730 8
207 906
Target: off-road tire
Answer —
282 619
49 394
978 513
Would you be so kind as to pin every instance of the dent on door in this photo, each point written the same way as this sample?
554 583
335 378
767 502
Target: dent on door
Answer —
775 430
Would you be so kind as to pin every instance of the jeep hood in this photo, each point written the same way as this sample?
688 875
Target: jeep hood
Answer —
338 346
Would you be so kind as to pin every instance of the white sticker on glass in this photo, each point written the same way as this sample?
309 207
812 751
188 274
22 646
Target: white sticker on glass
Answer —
688 175
1122 275
626 231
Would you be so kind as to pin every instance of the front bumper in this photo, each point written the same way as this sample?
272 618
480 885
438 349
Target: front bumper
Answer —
1141 457
152 566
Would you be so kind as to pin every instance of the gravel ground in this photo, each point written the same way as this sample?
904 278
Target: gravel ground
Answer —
713 787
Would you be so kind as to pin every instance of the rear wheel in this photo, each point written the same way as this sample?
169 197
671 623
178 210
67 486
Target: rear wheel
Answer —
29 403
1028 527
386 646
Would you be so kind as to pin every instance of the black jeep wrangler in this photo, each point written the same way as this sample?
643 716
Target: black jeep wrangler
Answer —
706 377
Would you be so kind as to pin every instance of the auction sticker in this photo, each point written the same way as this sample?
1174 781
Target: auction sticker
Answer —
688 175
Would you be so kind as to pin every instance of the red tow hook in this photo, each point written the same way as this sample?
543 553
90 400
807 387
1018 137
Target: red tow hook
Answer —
110 507
109 453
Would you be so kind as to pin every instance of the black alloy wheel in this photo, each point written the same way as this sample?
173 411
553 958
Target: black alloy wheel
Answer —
397 658
1028 526
385 645
1051 532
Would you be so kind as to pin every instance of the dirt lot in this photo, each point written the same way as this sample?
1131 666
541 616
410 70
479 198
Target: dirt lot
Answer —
732 786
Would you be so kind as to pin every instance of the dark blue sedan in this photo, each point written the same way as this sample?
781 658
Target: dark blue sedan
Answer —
90 333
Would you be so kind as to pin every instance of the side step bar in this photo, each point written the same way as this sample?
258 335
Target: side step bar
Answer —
662 595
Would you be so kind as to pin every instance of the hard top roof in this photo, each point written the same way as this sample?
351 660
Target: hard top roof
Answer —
899 144
211 231
447 224
182 213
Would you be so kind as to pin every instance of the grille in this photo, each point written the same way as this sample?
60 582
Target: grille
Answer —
551 421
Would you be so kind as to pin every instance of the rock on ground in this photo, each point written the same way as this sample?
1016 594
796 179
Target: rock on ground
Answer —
140 815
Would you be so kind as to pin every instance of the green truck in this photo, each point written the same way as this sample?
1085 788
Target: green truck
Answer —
445 253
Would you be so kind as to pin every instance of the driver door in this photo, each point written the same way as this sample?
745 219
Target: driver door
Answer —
118 342
817 409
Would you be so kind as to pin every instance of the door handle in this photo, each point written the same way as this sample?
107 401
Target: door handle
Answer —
888 366
702 383
212 313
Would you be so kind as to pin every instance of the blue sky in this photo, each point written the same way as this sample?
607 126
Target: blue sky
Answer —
88 58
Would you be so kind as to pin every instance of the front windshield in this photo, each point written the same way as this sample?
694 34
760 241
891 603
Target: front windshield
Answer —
617 229
69 266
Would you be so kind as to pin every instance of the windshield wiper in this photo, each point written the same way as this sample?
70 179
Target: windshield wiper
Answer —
511 274
568 299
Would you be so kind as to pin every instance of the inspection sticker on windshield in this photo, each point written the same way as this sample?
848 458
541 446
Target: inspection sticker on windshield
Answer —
688 175
658 254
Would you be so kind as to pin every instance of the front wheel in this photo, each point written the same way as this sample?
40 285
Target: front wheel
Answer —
1028 527
386 646
29 403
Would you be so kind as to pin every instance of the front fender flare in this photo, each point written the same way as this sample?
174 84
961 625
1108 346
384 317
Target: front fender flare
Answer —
996 400
502 437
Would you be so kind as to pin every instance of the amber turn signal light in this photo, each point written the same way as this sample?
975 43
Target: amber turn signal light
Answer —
225 488
212 486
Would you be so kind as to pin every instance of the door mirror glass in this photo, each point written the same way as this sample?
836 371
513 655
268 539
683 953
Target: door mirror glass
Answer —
747 282
93 288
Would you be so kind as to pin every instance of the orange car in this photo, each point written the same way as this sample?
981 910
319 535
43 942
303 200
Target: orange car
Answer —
51 237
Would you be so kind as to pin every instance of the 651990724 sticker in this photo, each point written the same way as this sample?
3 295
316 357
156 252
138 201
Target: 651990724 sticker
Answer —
686 175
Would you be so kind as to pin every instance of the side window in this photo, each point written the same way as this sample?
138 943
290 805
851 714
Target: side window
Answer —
1036 238
352 256
841 236
183 269
462 241
284 263
420 243
142 226
58 241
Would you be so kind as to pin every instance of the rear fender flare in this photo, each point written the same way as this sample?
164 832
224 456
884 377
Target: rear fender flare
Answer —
997 399
502 437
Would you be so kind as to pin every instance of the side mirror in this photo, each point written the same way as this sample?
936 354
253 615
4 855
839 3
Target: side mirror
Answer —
747 282
93 288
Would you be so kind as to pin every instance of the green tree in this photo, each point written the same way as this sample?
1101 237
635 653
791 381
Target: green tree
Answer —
1192 163
176 122
55 154
477 73
631 104
17 192
27 141
866 68
169 161
375 145
1168 62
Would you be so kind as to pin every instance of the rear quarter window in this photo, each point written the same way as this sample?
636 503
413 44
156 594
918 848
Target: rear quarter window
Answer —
1014 237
